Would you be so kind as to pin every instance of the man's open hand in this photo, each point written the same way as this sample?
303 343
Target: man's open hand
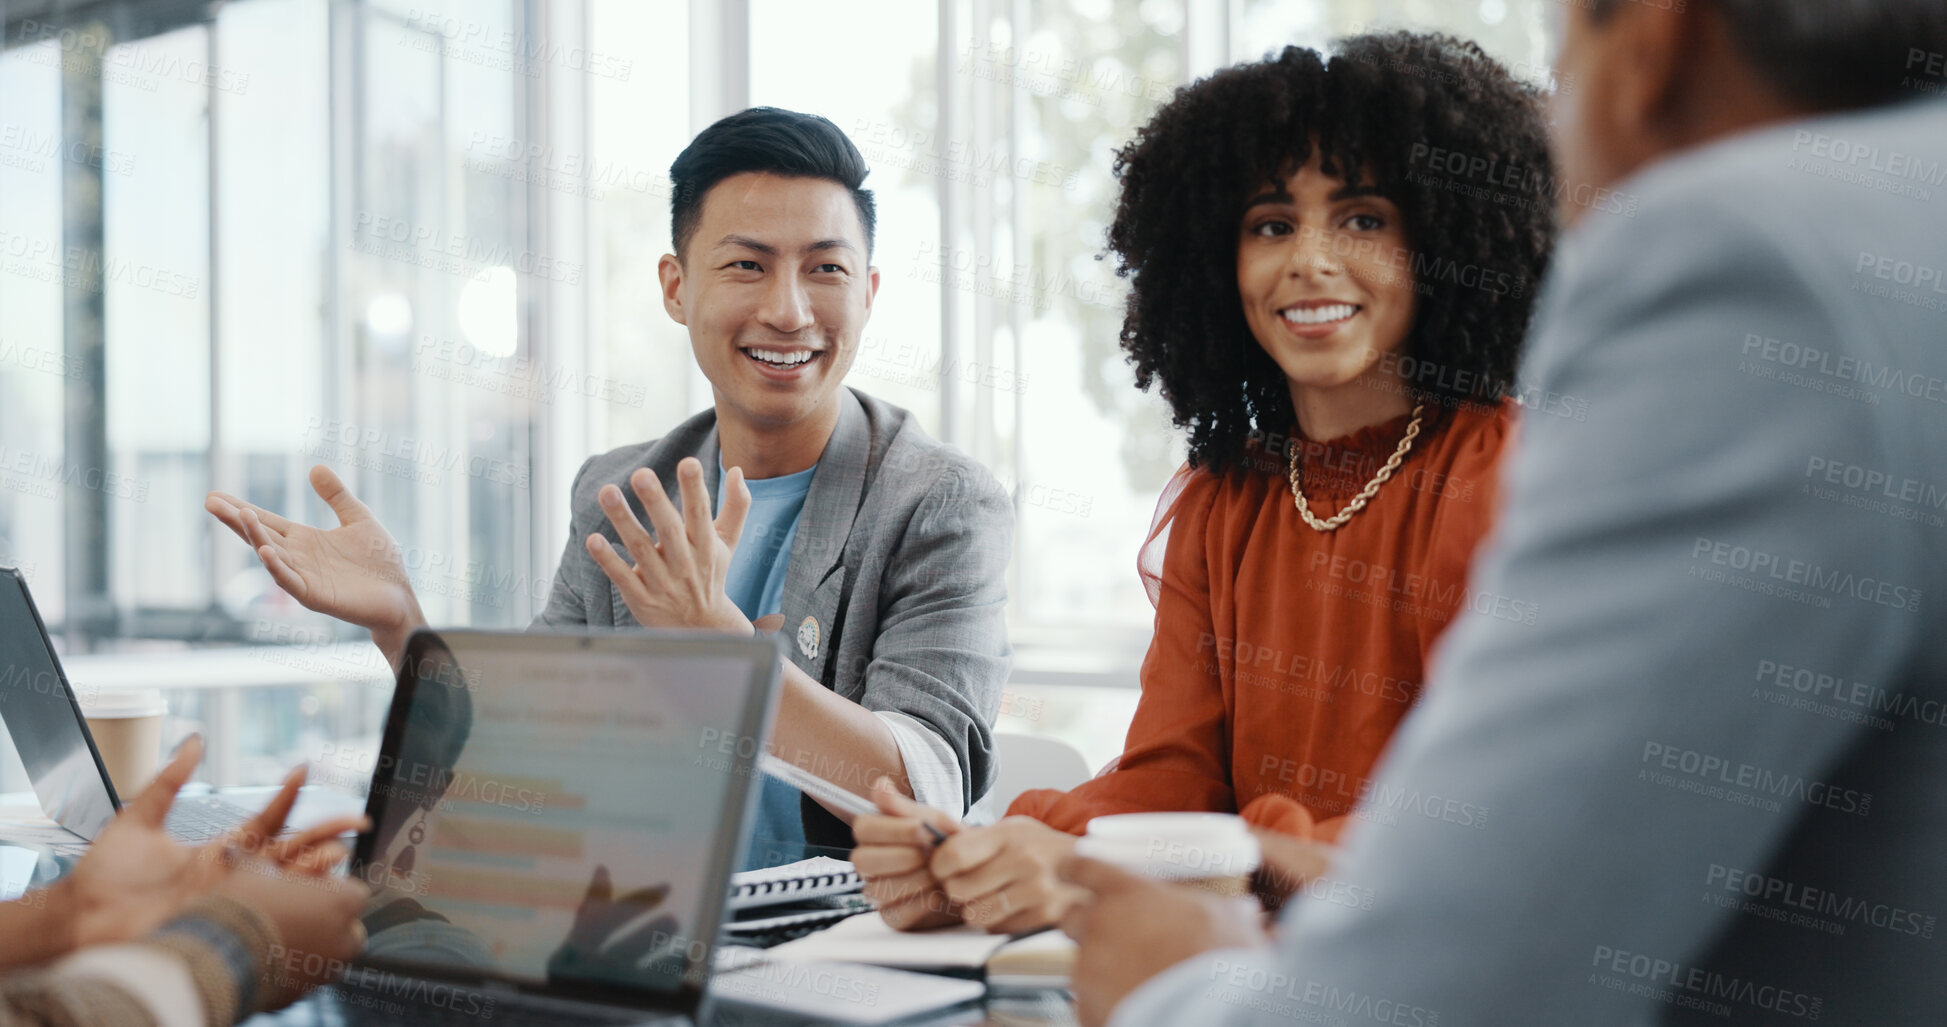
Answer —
676 580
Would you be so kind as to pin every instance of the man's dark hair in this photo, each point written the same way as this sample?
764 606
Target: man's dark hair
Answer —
768 140
1830 55
1393 110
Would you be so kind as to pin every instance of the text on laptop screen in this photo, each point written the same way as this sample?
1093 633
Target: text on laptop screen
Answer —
555 819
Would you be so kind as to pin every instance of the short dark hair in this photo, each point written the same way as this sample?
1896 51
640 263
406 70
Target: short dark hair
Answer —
768 140
1829 54
1380 111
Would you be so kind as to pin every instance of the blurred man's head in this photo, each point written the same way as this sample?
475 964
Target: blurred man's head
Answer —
1655 76
772 272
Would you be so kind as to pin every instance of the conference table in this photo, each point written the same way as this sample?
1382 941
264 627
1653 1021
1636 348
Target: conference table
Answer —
1010 1010
20 818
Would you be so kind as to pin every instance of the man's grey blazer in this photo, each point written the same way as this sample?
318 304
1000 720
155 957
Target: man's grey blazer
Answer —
896 592
1709 784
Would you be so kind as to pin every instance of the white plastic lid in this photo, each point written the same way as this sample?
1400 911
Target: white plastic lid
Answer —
115 703
1173 846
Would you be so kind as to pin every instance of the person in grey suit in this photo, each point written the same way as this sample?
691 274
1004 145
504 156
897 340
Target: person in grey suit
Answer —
1710 782
880 552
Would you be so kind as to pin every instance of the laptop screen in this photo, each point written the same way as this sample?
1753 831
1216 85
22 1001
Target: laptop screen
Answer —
562 811
42 719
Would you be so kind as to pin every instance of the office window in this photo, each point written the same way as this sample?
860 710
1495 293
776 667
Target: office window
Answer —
35 371
416 240
803 58
638 120
1510 30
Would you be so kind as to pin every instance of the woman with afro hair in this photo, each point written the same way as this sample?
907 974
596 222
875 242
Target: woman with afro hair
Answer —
1332 266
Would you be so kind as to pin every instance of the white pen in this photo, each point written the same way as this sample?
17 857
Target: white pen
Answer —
826 792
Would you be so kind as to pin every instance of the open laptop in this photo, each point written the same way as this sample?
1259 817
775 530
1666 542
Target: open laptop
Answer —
45 722
555 819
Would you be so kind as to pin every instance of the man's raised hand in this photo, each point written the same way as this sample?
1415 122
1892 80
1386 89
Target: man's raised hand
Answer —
675 579
353 572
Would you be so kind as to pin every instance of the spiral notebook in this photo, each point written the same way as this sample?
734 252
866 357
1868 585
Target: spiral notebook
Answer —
813 878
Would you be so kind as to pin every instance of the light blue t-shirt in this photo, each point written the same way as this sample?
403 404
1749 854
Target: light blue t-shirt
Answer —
755 582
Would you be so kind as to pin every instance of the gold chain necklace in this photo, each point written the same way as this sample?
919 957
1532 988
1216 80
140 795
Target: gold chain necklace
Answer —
1365 495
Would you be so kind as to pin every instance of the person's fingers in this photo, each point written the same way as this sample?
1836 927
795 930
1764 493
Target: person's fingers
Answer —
1097 876
643 552
1043 911
736 508
152 806
297 847
768 623
697 525
886 860
260 829
618 570
891 802
1007 870
904 902
899 888
645 897
909 913
974 849
281 572
325 482
600 888
672 539
259 530
281 525
226 509
884 829
350 898
316 860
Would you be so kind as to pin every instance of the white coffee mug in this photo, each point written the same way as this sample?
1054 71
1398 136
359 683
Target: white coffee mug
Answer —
1212 850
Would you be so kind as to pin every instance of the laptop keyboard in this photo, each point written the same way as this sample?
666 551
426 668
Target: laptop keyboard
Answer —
201 818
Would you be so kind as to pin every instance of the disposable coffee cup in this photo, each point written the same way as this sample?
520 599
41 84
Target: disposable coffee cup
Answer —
1214 851
127 725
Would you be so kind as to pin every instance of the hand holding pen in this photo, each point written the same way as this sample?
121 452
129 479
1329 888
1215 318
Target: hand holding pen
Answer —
895 845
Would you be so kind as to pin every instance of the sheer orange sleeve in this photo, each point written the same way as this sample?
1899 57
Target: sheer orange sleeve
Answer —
1177 755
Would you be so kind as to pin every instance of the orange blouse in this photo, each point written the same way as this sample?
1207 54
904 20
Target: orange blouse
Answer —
1283 657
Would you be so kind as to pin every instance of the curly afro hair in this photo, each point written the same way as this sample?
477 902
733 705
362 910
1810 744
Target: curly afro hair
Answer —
1432 122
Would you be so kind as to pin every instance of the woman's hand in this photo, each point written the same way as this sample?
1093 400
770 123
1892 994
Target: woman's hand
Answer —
317 922
1003 877
135 877
312 852
353 572
892 856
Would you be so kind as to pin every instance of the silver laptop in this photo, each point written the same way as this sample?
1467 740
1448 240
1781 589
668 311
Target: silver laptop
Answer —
555 819
47 728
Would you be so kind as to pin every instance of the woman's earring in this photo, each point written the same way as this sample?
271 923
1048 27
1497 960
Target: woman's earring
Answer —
403 863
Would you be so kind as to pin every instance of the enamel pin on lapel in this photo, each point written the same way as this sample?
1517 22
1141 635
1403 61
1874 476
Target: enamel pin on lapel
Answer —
808 637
